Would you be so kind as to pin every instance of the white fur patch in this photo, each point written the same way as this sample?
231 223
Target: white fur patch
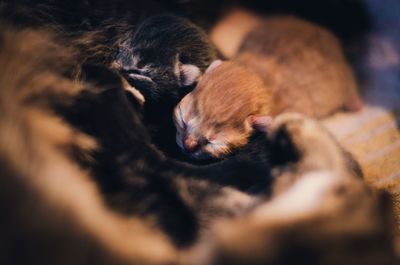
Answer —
303 198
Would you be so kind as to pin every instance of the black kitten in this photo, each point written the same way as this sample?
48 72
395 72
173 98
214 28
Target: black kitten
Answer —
164 56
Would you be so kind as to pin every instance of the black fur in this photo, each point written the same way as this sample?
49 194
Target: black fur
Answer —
159 43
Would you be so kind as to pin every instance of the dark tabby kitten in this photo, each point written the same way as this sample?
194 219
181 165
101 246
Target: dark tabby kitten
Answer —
165 57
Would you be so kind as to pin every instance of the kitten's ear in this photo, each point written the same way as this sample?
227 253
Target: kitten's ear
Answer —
259 123
214 65
187 74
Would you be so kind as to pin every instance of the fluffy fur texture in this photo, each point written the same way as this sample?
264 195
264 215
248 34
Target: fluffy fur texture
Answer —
206 128
284 65
45 196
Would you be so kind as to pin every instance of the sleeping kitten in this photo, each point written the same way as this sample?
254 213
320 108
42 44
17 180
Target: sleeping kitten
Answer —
284 65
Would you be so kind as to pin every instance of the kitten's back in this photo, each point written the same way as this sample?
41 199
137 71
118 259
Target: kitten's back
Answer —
304 62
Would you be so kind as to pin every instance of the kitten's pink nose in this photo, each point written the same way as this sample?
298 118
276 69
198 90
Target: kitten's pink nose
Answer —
190 144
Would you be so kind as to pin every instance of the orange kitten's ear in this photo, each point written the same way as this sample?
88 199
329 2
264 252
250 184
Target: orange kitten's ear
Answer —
259 123
214 65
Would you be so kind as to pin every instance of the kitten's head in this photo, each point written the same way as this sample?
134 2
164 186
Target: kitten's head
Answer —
220 114
165 57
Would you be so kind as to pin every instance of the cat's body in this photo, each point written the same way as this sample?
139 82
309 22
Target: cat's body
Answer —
284 65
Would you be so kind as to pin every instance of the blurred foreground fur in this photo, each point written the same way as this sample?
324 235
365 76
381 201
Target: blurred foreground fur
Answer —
53 213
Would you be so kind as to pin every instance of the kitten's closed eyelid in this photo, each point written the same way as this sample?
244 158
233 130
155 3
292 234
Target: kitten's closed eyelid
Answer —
211 138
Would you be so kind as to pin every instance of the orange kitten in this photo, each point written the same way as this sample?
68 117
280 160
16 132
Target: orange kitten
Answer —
284 65
206 128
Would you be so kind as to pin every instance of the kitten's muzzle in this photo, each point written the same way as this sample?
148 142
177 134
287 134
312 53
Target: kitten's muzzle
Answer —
190 144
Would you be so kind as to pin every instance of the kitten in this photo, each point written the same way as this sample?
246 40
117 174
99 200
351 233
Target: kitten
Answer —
284 65
164 56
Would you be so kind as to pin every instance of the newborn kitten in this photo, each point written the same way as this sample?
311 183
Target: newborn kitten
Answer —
165 55
206 128
284 65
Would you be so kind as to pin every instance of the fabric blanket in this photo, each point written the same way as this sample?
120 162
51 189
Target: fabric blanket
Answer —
373 134
373 137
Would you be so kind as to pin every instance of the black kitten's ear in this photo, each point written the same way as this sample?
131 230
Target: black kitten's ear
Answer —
187 74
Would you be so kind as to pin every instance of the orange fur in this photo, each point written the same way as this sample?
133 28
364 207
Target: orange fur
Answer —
284 65
304 63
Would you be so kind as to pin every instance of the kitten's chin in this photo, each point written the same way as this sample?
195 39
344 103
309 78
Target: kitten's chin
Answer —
203 156
199 155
